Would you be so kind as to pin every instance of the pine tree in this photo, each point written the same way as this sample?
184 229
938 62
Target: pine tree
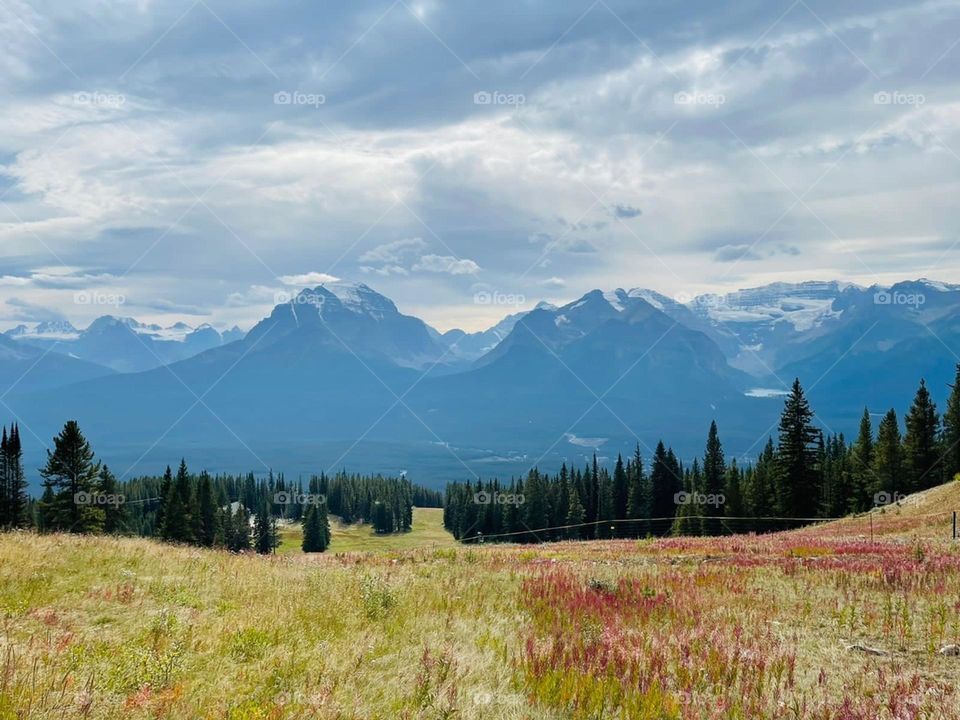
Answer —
316 529
797 479
164 495
177 520
714 470
665 483
13 485
861 466
575 517
951 430
71 475
621 494
114 515
207 531
265 539
733 496
888 479
921 444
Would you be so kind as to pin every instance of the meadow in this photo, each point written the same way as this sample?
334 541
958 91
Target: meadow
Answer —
818 623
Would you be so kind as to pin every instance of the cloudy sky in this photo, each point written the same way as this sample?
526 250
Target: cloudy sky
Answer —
195 158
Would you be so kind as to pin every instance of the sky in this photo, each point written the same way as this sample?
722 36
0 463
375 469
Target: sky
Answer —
196 160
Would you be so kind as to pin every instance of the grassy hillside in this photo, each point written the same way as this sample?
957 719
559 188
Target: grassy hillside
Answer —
794 625
427 531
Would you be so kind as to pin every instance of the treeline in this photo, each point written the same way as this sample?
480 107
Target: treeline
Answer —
803 477
235 512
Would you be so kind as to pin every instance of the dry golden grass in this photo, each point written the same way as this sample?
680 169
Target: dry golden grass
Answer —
128 628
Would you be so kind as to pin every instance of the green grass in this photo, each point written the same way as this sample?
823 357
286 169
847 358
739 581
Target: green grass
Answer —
427 532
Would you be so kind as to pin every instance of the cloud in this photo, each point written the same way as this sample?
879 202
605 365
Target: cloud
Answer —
446 264
554 283
23 310
310 278
626 211
733 253
393 252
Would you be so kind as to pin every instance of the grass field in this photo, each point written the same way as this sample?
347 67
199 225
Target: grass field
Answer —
427 532
819 623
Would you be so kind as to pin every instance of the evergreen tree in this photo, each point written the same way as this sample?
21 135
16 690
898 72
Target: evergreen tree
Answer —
316 529
921 444
207 531
265 539
888 478
733 496
13 484
665 483
177 520
951 430
861 466
797 479
164 495
621 495
71 475
114 515
714 471
575 517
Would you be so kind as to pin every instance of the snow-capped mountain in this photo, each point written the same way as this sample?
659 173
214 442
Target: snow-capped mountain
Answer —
352 317
121 343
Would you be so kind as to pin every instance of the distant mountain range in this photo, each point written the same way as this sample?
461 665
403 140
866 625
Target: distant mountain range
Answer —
123 344
340 377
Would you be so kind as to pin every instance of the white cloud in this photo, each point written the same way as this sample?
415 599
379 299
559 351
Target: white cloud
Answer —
310 278
446 264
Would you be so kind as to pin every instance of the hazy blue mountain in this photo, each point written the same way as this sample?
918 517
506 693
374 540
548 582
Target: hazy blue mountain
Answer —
357 318
24 368
471 346
121 344
337 378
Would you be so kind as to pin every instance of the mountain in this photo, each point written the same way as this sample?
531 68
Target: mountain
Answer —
357 318
471 346
24 368
339 377
122 344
